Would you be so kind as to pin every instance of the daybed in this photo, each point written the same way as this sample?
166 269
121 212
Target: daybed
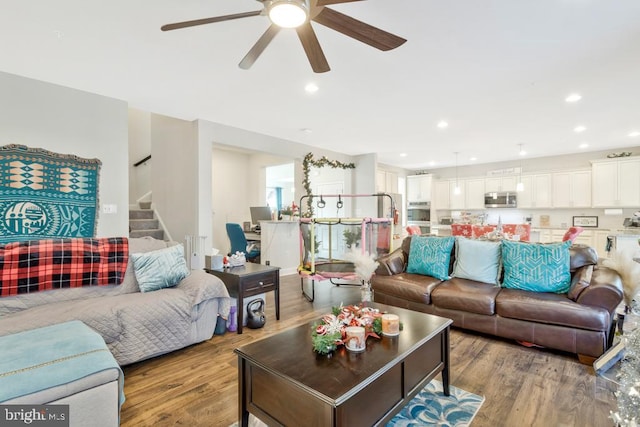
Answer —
578 318
135 325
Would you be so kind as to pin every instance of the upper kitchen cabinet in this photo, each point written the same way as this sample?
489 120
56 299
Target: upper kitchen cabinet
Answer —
503 183
474 193
572 189
536 192
616 182
386 181
470 195
419 188
442 195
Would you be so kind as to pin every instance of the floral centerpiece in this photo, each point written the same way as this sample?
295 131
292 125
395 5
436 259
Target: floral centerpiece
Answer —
329 333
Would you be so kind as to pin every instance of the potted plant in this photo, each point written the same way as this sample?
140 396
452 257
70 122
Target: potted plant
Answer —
286 213
351 238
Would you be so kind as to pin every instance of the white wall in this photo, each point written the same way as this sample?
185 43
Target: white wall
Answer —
239 159
69 121
139 148
175 175
230 199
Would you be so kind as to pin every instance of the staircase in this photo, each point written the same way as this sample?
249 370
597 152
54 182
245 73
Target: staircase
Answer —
142 223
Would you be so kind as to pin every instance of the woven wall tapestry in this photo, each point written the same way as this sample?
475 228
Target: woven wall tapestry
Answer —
45 194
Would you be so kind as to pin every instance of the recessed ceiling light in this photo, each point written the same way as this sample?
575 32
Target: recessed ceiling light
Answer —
473 159
432 163
574 97
403 154
634 134
311 88
442 124
583 145
579 129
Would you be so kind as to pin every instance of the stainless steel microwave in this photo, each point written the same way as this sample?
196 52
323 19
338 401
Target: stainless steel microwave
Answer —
500 199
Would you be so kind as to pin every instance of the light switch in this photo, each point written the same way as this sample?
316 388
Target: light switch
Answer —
109 208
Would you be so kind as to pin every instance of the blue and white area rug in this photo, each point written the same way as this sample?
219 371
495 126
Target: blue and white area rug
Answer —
430 407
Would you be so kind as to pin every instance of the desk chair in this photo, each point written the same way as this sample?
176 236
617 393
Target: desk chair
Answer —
239 243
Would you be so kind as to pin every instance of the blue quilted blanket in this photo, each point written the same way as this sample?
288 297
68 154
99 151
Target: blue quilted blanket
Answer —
47 357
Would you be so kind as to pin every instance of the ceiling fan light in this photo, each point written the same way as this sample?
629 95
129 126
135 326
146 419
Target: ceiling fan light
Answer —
288 13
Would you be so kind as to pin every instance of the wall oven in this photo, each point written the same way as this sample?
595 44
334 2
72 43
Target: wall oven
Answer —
419 213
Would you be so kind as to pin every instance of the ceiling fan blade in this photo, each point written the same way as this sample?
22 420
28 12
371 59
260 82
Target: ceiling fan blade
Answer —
259 47
312 48
358 30
185 24
328 2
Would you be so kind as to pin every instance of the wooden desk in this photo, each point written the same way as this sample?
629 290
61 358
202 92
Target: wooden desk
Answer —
252 237
248 280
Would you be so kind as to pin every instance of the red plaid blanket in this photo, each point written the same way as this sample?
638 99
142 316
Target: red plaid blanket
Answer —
39 265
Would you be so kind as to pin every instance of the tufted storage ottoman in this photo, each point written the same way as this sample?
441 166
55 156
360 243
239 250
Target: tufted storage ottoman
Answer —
63 364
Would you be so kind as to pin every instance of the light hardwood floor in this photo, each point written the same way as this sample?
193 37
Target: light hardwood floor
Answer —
197 386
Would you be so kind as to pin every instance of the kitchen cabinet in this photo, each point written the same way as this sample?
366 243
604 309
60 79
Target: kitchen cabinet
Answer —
386 181
474 194
441 197
503 183
419 188
457 200
536 191
572 189
616 182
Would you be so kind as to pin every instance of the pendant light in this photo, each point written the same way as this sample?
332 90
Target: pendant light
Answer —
456 189
520 186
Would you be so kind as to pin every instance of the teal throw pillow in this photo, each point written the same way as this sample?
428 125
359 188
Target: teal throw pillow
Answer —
536 267
430 256
159 269
477 260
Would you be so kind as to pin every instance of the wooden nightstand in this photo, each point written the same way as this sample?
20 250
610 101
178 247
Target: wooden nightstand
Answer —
248 280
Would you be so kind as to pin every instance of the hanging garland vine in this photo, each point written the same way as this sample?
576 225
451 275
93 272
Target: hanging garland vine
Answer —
307 164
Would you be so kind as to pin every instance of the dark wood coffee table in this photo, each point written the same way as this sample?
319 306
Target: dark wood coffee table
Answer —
283 382
248 280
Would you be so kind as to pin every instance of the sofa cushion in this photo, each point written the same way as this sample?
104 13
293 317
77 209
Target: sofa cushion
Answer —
138 245
412 287
477 260
550 308
536 267
430 256
159 269
466 295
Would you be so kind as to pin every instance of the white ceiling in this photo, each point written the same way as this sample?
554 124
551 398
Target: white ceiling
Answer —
497 70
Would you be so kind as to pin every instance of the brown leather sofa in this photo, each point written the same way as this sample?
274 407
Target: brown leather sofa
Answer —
580 321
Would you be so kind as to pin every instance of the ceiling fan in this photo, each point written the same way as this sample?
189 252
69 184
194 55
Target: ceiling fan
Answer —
298 14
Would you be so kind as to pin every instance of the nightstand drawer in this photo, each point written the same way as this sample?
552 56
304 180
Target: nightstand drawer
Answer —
260 283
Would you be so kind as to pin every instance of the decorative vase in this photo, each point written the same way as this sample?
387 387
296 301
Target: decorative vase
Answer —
366 293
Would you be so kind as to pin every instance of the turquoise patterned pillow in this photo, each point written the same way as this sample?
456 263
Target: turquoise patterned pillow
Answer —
159 269
430 256
536 267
